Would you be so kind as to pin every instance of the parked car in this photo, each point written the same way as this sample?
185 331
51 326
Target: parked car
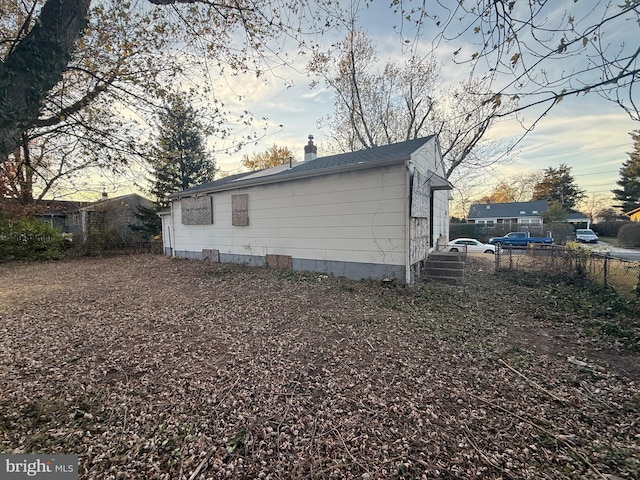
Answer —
519 239
469 245
586 235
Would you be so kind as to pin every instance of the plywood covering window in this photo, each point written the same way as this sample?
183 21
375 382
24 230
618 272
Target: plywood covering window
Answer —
240 210
420 196
197 211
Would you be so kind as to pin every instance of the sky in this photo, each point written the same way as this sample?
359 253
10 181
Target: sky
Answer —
586 132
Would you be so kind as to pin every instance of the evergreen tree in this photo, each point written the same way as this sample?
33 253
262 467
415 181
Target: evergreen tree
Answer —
629 193
180 159
150 224
557 185
555 214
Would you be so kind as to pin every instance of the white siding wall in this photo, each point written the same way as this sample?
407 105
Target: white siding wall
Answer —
167 233
428 159
441 217
357 216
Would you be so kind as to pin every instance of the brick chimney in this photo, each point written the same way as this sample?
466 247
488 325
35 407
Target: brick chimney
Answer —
310 150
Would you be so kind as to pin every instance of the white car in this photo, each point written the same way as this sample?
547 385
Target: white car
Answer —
586 235
470 245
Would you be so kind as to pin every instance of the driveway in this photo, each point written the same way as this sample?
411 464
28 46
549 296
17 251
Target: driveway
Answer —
633 255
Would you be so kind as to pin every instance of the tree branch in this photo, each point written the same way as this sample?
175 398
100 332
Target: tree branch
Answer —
34 67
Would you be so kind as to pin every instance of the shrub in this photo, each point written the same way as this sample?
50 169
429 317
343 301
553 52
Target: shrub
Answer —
30 240
609 228
561 232
457 230
629 235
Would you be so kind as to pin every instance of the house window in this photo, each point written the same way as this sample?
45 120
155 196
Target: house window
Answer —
240 210
197 211
486 222
74 219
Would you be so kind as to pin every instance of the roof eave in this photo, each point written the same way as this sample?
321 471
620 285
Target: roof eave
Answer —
278 178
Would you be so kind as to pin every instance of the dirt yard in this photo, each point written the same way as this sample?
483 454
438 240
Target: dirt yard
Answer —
149 367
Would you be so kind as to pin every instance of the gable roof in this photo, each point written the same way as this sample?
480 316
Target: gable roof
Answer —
534 208
59 206
508 210
47 207
576 217
632 212
122 199
366 158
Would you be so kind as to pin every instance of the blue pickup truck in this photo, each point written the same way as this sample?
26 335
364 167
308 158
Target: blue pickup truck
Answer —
519 239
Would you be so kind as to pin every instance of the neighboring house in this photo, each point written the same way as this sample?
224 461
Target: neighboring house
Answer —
578 220
375 213
54 212
110 219
518 214
634 215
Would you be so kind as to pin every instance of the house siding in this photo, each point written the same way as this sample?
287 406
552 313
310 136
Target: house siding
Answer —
426 226
634 215
350 224
111 219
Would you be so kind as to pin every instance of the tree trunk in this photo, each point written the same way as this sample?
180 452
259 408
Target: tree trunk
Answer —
35 66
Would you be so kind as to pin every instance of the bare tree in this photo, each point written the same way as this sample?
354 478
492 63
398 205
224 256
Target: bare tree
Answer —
538 52
114 79
80 122
524 40
36 58
518 188
402 102
272 157
595 205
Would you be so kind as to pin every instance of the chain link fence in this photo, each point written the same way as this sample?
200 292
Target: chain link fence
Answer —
623 276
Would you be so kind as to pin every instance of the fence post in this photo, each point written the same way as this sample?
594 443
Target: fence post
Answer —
606 268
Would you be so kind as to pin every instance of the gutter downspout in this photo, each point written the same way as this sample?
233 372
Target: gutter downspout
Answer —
172 247
407 224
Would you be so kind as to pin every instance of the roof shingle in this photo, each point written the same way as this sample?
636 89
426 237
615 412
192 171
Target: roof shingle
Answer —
360 159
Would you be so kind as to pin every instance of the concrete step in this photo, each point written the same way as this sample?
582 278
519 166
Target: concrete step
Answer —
447 256
444 264
443 273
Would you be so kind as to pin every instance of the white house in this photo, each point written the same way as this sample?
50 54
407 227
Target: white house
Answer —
520 214
374 213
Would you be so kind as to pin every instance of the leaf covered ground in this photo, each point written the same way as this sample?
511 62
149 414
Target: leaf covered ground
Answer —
151 367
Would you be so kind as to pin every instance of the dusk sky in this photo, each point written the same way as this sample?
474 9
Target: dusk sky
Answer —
586 132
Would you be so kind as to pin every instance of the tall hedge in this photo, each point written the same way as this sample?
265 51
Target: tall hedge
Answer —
30 240
609 228
629 235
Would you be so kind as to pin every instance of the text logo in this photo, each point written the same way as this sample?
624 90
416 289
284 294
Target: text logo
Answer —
49 467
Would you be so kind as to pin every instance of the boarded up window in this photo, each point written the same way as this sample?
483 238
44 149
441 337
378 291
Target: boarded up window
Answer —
281 262
240 210
197 211
211 255
420 194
